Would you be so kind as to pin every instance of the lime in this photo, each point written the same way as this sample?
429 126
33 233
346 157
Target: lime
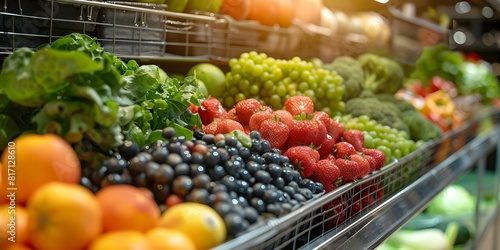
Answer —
202 89
213 77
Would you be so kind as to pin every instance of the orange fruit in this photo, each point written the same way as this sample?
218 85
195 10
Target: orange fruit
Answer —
37 160
13 225
201 223
63 216
18 246
126 207
165 238
120 240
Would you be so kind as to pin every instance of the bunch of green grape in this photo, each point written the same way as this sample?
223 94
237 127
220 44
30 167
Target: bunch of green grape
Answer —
394 143
272 81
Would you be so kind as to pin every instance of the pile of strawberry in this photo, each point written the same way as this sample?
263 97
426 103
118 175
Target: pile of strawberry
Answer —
318 146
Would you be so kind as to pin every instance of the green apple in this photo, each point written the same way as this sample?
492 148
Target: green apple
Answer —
212 76
204 5
176 5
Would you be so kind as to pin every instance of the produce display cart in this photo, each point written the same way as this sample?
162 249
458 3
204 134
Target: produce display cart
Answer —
402 189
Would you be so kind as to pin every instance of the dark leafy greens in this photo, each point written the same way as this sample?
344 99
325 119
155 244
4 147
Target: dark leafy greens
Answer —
77 90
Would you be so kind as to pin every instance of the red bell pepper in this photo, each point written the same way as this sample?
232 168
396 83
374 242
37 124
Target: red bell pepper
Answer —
437 83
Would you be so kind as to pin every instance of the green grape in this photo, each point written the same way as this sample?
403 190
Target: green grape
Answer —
368 140
311 94
265 78
281 90
233 91
244 85
254 90
229 101
268 85
239 97
303 86
257 70
275 101
320 93
294 75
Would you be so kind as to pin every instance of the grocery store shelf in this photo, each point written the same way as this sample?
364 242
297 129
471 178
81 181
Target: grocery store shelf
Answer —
374 227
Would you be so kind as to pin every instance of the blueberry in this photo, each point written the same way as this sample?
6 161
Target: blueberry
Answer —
164 174
199 195
201 181
309 184
263 177
259 189
287 175
274 170
255 135
168 133
182 169
182 185
128 150
258 204
160 155
306 193
173 159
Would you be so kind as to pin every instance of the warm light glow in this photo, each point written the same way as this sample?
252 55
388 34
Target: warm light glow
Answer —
382 1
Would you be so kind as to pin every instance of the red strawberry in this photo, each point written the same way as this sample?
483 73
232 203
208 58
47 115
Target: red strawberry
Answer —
227 126
372 161
327 173
246 108
306 132
247 129
284 116
343 149
193 108
329 157
364 165
297 105
335 212
210 109
349 170
257 119
378 155
211 128
231 114
303 158
338 130
356 138
323 117
274 131
327 146
358 204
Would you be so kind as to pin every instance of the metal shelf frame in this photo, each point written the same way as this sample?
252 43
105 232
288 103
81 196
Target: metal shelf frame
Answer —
374 227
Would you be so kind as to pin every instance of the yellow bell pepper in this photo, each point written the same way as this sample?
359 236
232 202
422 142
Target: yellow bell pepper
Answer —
440 103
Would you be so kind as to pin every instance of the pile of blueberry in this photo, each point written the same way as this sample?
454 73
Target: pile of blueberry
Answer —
244 184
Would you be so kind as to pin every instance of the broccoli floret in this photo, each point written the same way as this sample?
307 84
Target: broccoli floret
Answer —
382 74
420 128
382 112
402 105
351 71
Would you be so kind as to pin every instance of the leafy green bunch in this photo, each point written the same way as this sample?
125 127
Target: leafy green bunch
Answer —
75 89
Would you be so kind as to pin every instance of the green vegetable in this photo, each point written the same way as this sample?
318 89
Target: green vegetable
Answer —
351 72
420 127
470 78
382 74
428 239
453 200
88 96
383 112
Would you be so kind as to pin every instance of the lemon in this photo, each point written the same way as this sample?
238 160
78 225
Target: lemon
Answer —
201 223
